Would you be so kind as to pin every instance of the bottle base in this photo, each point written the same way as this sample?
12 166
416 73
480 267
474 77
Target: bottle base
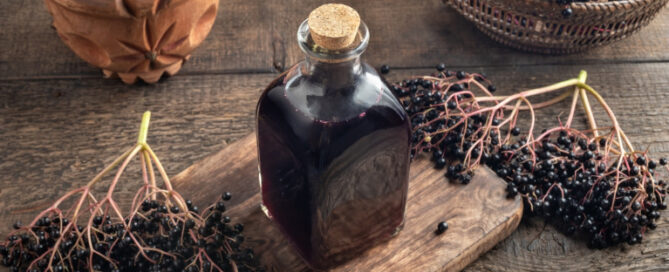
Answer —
398 229
265 211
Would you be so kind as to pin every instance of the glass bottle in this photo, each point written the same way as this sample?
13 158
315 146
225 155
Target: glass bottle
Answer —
333 152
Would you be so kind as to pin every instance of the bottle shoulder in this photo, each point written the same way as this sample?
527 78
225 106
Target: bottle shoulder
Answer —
297 91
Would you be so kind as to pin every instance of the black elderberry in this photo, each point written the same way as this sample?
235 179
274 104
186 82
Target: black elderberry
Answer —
227 196
652 164
441 67
441 227
146 205
385 69
512 192
437 154
601 167
440 163
602 142
567 12
220 206
588 155
634 170
97 220
456 88
465 179
426 84
460 74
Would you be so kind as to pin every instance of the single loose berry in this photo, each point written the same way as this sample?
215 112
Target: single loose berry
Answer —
441 227
385 69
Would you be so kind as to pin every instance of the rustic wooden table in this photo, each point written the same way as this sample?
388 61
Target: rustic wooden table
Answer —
60 122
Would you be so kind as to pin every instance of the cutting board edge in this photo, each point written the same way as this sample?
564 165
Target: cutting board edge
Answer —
494 237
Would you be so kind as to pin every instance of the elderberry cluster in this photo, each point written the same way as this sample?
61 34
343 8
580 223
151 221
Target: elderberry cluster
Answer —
572 183
447 136
170 240
565 176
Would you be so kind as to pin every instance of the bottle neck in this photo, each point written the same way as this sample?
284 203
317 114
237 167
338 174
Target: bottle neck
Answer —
336 70
335 75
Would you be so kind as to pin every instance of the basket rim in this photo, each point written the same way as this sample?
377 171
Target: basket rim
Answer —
580 9
606 4
635 13
596 4
592 6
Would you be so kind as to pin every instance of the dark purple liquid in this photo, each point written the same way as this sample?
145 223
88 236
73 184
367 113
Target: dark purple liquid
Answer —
334 164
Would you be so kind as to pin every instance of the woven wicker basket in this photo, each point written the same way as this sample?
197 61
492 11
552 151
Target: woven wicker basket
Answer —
539 26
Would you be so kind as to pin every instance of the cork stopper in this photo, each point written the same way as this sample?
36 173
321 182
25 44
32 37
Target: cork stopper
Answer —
334 26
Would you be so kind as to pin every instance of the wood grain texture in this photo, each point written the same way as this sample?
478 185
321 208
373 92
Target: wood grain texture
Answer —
259 36
57 133
479 215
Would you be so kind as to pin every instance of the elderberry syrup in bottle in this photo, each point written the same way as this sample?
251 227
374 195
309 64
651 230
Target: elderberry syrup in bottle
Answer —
333 145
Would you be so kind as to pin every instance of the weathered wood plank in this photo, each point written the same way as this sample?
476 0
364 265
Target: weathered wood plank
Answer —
257 36
56 134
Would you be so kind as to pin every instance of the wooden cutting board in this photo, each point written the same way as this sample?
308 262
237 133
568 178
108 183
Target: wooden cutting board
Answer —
478 214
